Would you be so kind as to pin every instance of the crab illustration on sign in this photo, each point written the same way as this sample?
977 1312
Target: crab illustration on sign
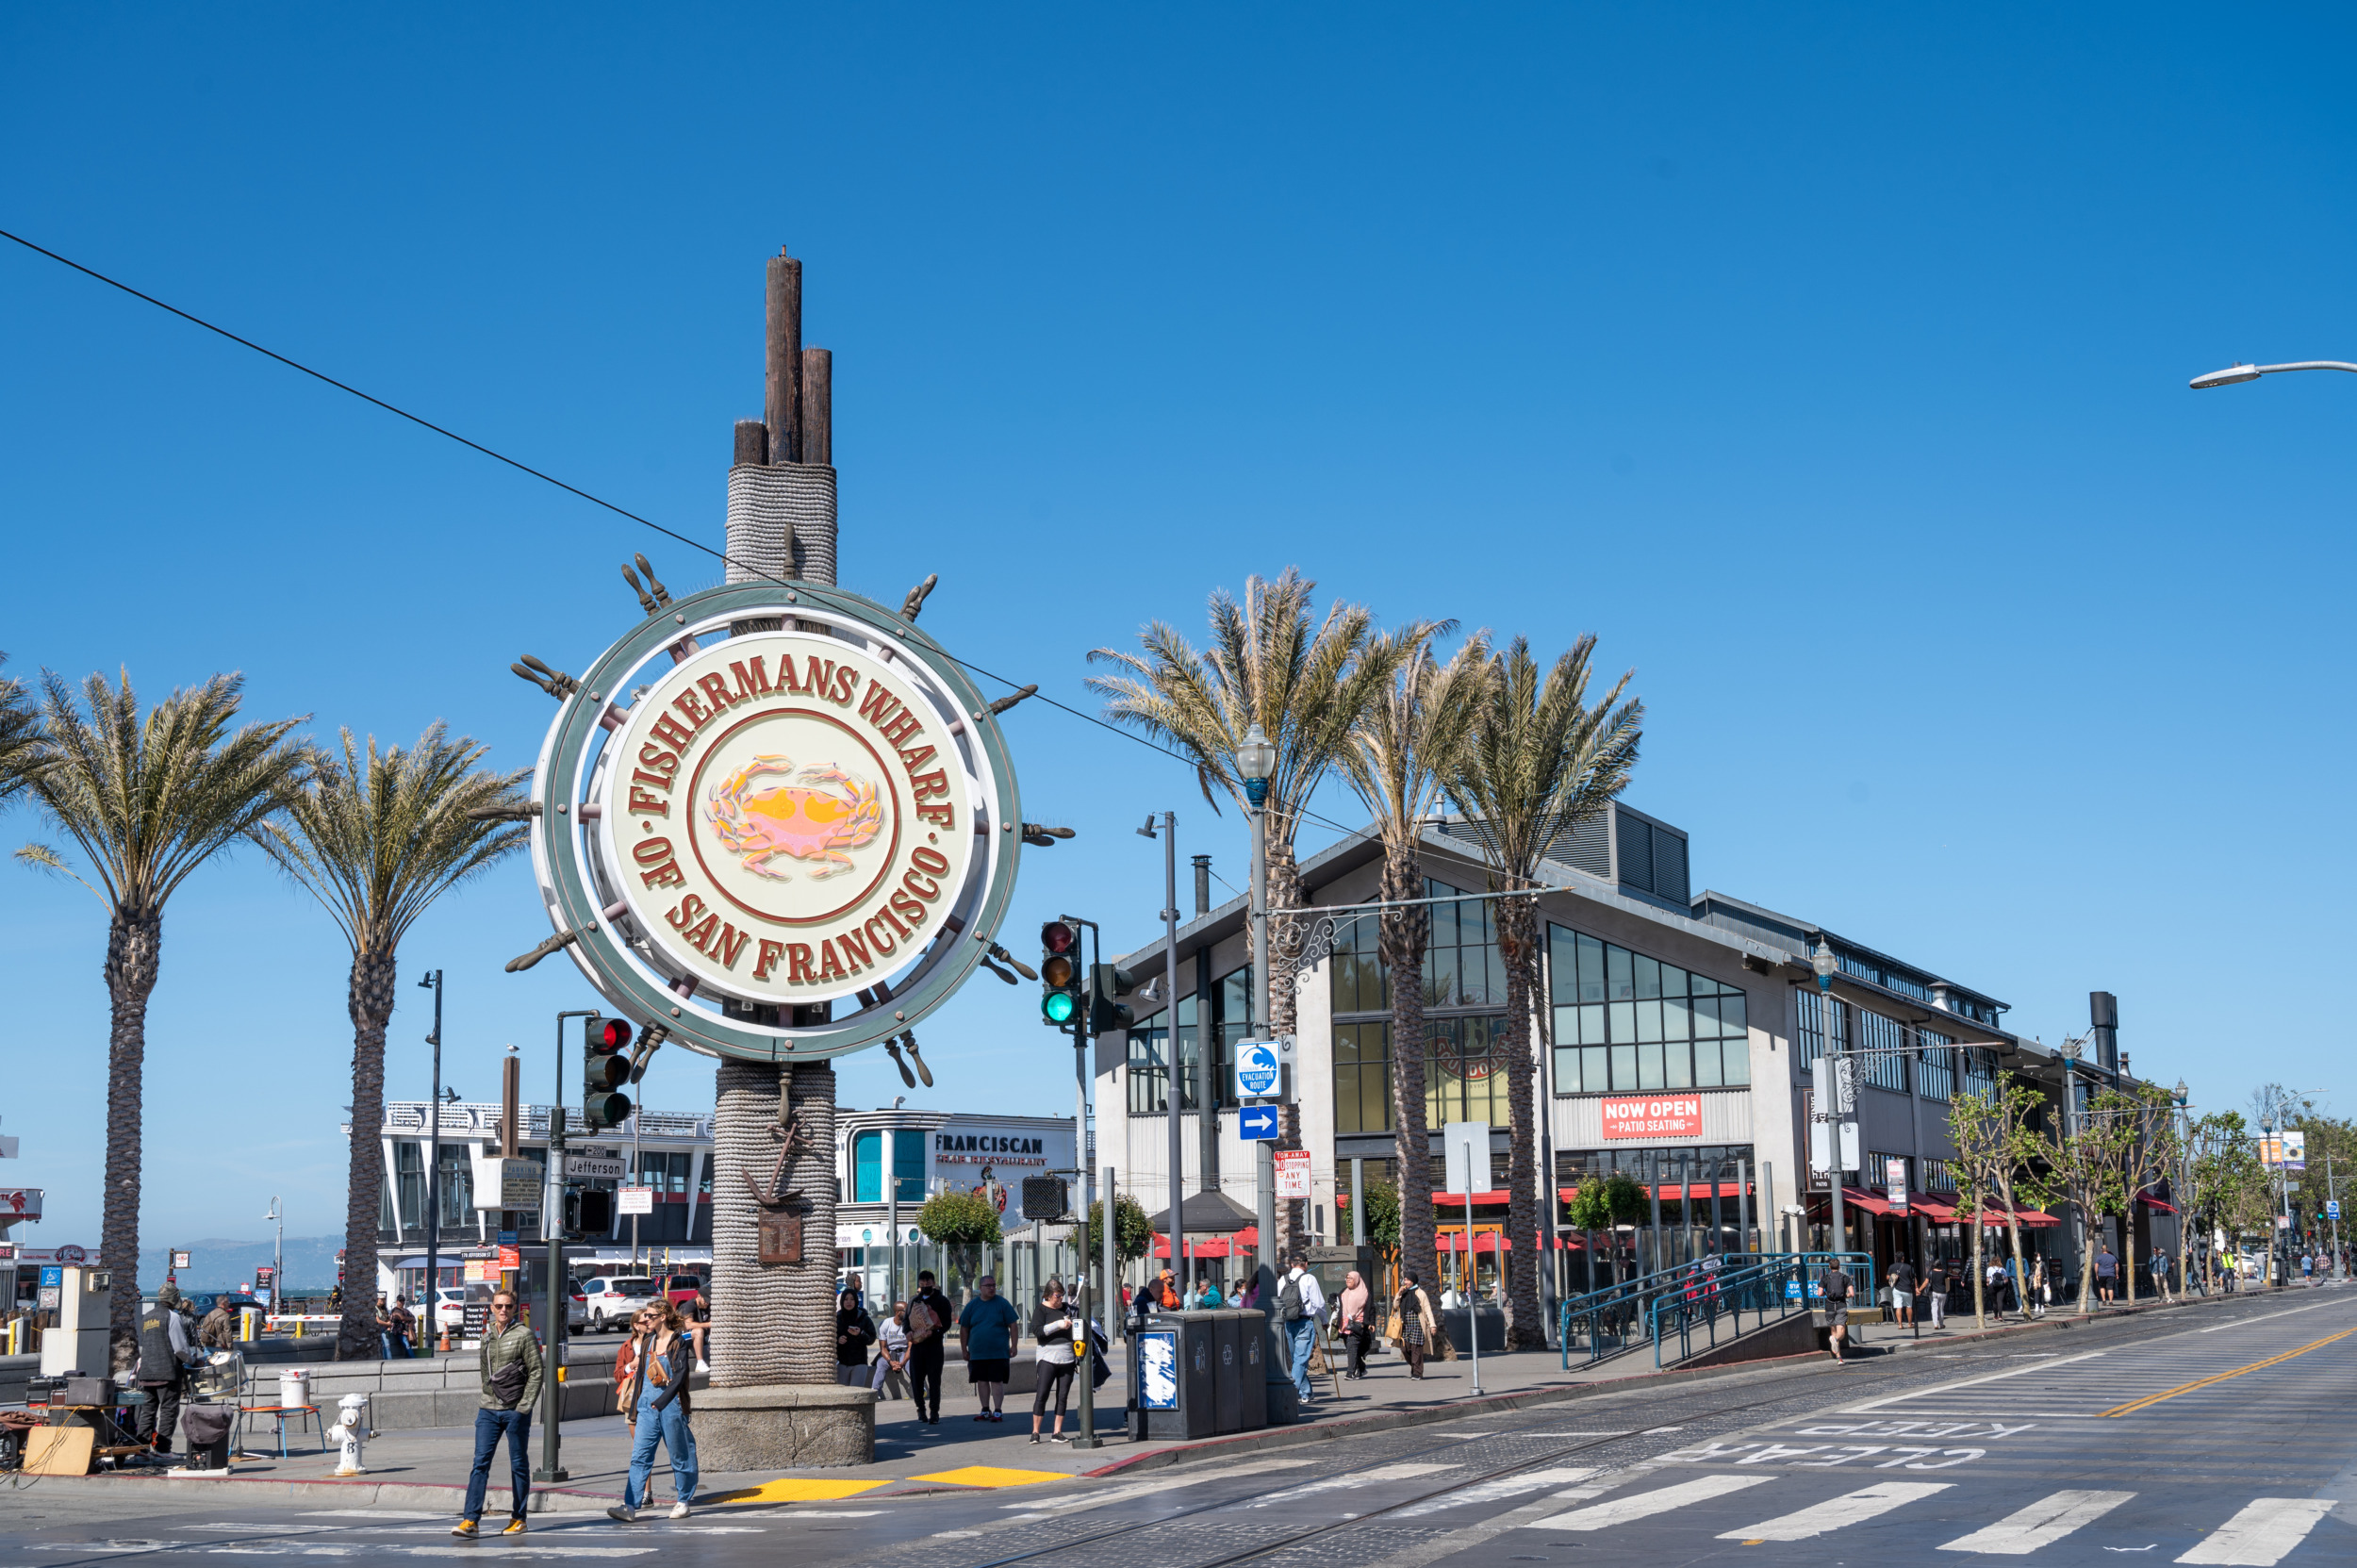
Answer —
800 820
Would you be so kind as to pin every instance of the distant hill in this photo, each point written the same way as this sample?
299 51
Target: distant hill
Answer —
215 1264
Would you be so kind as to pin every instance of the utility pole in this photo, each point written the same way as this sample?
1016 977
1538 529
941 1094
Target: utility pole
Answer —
553 1233
1825 964
2332 1209
432 981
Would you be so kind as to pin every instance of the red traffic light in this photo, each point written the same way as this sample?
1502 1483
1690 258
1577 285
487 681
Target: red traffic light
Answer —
614 1034
1056 937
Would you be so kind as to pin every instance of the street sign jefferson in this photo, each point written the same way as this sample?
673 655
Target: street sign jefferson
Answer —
773 798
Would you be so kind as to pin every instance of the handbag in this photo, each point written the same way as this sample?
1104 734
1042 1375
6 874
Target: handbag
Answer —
1393 1331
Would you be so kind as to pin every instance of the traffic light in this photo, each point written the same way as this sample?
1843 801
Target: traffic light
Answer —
588 1214
604 1068
1106 982
1059 973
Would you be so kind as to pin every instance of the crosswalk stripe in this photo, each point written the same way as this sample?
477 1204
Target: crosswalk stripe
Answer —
1380 1473
2260 1535
2041 1524
1498 1491
1834 1512
1644 1505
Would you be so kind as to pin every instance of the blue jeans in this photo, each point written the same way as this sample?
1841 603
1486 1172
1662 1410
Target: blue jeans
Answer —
1303 1334
670 1424
489 1424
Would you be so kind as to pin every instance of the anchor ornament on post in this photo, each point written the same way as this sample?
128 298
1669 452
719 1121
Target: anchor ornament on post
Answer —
779 1235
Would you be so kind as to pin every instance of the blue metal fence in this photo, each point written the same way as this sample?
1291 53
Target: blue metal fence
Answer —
1710 1301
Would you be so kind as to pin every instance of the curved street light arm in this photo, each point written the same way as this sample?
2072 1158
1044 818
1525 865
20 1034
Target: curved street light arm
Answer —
2235 374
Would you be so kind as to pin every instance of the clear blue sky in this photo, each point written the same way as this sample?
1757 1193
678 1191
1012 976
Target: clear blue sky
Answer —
1828 365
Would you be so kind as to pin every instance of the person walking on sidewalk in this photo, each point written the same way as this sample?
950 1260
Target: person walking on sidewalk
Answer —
2106 1273
1351 1320
1837 1287
654 1403
855 1331
929 1341
1417 1326
1055 1330
1902 1293
2041 1291
510 1362
1935 1286
892 1355
1299 1304
164 1354
989 1328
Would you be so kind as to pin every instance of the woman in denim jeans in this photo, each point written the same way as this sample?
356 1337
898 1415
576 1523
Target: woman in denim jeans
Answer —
656 1401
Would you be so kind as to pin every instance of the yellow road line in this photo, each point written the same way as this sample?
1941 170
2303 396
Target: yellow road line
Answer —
2134 1405
798 1490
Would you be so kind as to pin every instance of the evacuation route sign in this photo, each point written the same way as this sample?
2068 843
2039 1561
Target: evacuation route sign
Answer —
1293 1173
1258 1070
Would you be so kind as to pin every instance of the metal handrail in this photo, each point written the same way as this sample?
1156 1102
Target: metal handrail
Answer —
1713 1302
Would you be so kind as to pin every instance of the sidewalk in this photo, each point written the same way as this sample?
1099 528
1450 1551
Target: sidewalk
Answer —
427 1468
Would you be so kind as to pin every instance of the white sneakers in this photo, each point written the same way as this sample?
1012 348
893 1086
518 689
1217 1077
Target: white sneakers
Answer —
679 1510
630 1515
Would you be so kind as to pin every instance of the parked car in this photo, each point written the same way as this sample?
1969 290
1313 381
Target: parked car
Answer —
610 1300
449 1309
680 1289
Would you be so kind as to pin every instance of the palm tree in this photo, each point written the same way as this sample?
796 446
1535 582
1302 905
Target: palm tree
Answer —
1305 683
1538 761
376 839
21 743
1405 740
149 799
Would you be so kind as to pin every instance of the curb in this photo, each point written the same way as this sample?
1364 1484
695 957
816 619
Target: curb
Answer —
438 1495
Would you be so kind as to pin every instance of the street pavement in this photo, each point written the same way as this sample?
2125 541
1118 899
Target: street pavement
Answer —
2218 1434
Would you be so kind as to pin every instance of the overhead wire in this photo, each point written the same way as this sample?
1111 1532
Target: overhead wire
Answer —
594 500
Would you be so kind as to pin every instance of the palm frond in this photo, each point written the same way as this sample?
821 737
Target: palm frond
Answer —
377 835
23 741
1304 681
149 797
1538 759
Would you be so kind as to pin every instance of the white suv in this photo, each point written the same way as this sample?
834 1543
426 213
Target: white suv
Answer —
613 1299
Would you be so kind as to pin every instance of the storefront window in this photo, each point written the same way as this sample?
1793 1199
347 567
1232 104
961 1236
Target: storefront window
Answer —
1362 1078
1464 1073
1627 1022
1461 963
1233 1020
868 1159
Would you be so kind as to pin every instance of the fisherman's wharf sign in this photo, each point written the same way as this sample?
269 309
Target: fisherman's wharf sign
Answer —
780 823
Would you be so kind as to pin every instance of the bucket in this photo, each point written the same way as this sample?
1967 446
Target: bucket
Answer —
294 1388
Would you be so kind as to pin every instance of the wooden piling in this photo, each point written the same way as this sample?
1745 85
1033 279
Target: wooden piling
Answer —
752 442
817 405
781 405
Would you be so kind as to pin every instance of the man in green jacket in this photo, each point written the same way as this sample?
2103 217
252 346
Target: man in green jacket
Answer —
511 1389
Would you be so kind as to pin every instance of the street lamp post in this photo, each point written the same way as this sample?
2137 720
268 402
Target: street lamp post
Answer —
432 981
1256 759
1825 962
2236 374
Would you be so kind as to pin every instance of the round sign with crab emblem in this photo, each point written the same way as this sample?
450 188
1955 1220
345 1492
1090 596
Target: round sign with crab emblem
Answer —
776 823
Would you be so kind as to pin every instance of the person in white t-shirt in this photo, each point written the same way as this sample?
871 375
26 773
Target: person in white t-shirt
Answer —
892 1354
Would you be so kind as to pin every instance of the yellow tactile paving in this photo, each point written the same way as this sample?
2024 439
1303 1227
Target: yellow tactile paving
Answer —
992 1474
791 1490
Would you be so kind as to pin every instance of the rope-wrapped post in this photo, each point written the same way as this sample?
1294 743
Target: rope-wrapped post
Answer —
774 1402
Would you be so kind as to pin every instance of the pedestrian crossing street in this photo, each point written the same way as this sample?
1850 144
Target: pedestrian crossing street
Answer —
2260 1534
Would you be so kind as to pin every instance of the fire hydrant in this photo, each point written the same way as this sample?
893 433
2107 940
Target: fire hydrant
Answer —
352 1425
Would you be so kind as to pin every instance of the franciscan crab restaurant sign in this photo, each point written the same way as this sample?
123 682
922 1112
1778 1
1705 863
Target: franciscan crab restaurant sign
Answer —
783 818
1657 1116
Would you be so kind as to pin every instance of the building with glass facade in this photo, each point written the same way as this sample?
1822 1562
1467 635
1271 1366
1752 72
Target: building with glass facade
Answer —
1679 1035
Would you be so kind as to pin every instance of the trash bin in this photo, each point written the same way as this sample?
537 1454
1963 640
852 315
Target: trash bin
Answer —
1251 1368
1227 1368
1178 1384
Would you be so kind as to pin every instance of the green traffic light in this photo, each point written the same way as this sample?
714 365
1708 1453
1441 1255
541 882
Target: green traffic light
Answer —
1057 1006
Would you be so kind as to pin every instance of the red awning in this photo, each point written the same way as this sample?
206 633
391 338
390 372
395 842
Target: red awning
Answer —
1670 1190
1240 1244
1937 1210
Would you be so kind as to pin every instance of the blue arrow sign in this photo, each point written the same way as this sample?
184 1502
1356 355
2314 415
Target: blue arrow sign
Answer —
1256 1123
